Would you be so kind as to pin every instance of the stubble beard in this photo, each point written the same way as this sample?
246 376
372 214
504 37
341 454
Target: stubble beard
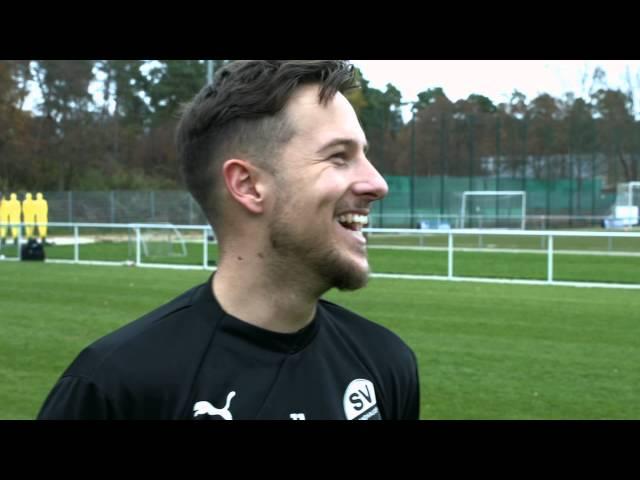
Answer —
303 250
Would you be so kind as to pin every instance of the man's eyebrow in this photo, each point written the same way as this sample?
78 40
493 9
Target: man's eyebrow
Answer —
347 142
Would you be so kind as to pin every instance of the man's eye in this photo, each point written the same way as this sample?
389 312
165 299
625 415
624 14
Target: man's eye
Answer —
339 158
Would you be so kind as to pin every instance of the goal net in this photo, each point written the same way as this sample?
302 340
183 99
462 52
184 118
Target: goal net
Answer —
160 242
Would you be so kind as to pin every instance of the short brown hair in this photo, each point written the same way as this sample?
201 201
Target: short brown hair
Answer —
240 114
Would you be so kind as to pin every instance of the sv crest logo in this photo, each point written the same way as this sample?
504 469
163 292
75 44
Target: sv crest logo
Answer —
359 401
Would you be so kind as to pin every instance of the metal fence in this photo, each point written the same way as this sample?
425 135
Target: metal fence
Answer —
124 206
550 204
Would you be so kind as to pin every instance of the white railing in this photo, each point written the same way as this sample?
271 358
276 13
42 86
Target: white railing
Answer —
137 229
530 221
206 231
549 235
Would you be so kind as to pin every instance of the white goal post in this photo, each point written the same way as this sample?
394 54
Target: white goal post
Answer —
162 242
522 203
624 212
628 194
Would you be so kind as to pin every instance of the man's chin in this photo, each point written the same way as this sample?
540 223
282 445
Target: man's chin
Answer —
352 284
352 278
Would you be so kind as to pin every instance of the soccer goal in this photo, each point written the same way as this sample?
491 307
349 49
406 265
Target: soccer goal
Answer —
628 194
160 241
624 213
493 209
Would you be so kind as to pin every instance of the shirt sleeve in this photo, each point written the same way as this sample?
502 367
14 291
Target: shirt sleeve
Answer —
411 409
75 398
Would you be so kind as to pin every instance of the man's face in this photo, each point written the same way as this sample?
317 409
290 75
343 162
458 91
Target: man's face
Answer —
325 185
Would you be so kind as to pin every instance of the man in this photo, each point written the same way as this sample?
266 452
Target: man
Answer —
275 156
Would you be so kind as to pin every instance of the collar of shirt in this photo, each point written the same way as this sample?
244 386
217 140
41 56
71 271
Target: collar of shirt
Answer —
267 339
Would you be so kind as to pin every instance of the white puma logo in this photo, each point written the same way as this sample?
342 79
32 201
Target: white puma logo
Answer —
200 408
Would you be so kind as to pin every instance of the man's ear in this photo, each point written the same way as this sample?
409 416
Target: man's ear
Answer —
244 184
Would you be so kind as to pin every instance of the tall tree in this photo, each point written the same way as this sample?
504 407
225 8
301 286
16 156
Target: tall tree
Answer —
544 113
617 131
124 88
125 111
431 96
14 122
64 85
381 118
174 82
481 103
432 104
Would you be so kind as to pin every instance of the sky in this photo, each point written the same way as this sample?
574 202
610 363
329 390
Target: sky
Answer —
497 79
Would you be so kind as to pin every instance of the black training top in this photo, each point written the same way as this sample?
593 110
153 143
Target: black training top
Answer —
190 359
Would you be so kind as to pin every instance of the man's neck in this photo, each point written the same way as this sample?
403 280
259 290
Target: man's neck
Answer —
248 289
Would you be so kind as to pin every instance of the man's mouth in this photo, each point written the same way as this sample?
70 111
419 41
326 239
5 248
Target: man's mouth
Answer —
353 221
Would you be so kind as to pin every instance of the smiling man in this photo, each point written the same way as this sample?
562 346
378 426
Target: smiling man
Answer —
276 157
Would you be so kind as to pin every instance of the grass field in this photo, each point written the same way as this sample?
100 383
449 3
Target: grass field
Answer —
484 351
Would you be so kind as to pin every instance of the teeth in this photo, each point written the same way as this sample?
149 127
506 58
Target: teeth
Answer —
353 218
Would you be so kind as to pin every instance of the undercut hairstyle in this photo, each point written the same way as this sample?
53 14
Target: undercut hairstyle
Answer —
241 115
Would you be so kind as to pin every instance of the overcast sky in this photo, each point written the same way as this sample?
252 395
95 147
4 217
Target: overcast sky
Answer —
497 79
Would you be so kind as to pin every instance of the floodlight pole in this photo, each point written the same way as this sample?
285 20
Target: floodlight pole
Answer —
209 72
413 166
412 185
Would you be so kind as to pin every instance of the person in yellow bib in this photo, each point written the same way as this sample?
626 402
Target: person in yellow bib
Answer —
13 207
28 214
42 215
4 218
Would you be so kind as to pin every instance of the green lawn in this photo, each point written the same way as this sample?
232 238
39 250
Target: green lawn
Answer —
485 351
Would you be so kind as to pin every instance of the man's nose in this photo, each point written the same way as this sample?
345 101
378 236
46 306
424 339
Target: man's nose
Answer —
370 183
